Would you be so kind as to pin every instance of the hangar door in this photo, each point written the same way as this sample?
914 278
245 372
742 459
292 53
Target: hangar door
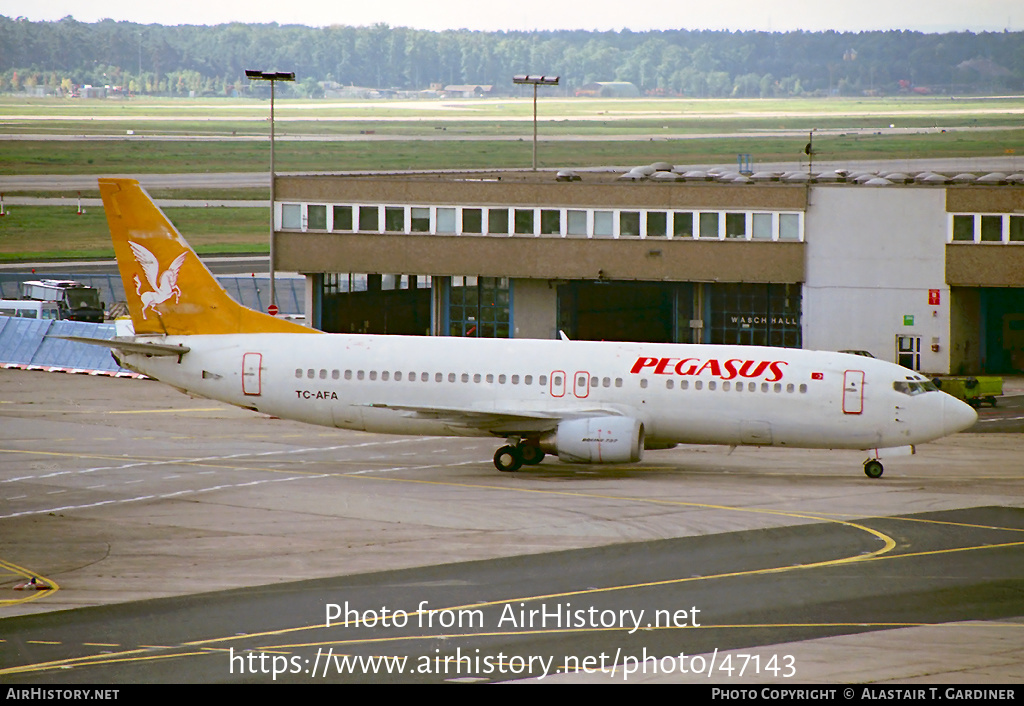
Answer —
617 311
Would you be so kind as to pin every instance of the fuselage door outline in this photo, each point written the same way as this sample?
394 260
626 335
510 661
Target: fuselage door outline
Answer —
853 392
252 378
557 383
581 384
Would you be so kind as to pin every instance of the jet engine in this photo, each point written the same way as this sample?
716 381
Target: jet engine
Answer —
597 440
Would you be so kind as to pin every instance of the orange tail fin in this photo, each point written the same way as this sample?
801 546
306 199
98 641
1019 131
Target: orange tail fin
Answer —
169 289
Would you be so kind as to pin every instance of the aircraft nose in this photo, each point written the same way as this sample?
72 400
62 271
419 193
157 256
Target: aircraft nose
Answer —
957 415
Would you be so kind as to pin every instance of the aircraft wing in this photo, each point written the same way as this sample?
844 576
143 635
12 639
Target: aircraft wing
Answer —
496 421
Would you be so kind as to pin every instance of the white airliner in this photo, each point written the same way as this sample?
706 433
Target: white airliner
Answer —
586 402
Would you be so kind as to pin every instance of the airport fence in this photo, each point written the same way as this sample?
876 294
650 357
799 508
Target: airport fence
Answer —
37 344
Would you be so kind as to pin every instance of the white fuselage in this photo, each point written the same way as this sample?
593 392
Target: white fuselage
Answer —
681 393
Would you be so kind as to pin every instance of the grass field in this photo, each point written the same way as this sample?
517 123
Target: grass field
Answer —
115 157
221 135
49 233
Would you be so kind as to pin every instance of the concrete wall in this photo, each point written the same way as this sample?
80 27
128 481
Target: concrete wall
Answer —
535 189
873 254
535 308
545 257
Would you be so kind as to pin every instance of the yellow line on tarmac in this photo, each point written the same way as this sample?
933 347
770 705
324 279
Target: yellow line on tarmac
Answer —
27 574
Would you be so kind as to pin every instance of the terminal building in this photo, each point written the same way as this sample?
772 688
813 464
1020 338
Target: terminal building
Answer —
925 270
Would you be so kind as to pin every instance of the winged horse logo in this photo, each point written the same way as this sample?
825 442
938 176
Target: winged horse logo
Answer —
164 284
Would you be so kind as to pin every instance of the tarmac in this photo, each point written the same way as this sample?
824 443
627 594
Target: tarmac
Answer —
122 490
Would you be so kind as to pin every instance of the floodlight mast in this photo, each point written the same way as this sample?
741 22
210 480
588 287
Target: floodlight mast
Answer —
535 80
273 77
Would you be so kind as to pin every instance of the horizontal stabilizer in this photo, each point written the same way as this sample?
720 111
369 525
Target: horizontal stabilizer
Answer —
155 349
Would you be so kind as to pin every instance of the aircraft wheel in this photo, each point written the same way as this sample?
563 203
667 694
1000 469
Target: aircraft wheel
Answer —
873 469
508 459
532 455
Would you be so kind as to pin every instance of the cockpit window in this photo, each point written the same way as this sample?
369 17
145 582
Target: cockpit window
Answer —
914 387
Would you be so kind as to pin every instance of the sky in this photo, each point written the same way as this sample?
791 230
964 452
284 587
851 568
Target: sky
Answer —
492 15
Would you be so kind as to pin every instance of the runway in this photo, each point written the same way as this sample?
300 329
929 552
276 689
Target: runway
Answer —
193 542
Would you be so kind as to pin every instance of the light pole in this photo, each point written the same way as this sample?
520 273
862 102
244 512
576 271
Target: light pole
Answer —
535 81
273 77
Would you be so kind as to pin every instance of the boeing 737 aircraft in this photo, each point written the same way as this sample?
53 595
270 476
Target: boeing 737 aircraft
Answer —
584 401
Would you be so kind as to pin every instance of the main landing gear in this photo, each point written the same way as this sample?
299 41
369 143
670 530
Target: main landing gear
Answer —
873 468
512 457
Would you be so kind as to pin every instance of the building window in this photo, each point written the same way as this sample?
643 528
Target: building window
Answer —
755 314
316 217
603 224
497 220
472 220
369 219
736 225
446 221
682 224
419 221
629 223
550 222
963 229
524 221
657 224
789 226
991 229
1017 229
908 352
576 223
762 226
709 225
394 219
291 216
478 307
342 218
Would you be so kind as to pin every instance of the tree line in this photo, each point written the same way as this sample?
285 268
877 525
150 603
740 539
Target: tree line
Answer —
211 60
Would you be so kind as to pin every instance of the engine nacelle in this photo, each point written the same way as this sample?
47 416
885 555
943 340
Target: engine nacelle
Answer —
597 440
